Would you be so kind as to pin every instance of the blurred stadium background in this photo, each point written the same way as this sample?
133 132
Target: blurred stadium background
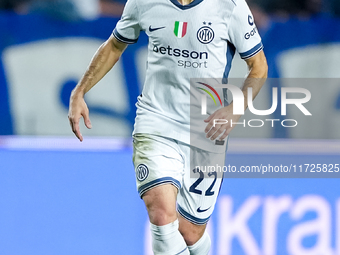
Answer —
62 197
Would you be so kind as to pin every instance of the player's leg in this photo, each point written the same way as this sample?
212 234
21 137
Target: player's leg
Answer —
161 206
195 236
159 173
160 203
197 198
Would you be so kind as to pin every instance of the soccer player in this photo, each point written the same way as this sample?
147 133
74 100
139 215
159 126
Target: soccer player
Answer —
187 39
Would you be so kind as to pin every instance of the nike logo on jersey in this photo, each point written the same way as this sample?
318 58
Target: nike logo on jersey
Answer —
154 29
199 210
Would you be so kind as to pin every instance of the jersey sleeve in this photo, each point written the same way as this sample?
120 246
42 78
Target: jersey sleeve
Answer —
127 29
243 32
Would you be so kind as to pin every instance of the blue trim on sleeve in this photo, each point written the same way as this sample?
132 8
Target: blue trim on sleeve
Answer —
144 188
191 218
252 52
123 39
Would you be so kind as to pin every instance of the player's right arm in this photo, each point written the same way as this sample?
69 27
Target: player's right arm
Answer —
102 62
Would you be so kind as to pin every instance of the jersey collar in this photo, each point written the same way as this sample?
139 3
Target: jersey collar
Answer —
188 6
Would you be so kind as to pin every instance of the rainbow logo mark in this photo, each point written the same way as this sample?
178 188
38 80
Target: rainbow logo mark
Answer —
209 93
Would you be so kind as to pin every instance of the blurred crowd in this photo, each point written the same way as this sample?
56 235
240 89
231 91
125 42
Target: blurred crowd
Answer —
71 10
264 10
300 8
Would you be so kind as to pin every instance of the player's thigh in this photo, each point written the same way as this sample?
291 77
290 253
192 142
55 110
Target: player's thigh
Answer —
201 185
161 204
157 161
159 169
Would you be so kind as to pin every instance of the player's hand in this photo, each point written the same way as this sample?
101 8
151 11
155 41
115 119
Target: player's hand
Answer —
219 123
77 109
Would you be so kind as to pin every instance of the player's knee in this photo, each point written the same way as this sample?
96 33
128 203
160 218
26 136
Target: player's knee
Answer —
191 237
190 232
161 216
161 205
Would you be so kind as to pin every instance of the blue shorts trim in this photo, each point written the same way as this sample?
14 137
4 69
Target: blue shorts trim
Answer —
252 52
144 188
191 218
182 251
123 39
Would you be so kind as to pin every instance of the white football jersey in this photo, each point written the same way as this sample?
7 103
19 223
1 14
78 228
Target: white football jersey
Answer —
197 40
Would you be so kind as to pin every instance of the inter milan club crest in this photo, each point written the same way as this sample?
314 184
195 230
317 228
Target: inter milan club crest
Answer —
142 172
205 34
180 28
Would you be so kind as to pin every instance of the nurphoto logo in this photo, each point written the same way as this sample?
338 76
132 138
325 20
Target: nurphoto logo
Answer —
238 104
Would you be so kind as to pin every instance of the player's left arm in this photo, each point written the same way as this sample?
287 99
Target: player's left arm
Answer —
258 70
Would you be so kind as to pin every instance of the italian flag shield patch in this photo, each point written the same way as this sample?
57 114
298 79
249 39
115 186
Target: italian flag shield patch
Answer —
180 28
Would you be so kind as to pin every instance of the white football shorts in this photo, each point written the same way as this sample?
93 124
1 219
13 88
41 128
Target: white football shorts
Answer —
160 160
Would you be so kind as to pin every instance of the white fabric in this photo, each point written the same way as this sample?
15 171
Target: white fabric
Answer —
164 107
202 246
167 240
161 160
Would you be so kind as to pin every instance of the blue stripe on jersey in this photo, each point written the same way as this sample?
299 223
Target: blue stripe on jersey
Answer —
230 55
252 52
144 188
191 218
121 38
187 6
